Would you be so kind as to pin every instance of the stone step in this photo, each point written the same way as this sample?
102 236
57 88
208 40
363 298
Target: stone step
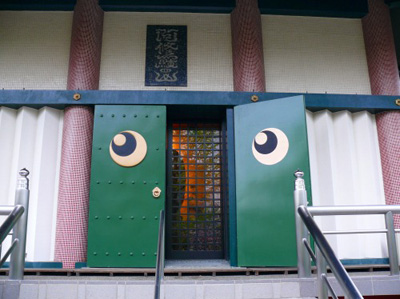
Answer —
196 287
177 288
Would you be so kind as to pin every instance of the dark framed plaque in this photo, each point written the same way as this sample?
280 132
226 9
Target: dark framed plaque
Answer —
166 55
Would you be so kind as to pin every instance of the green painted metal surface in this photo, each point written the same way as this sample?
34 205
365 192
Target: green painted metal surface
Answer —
123 214
203 101
264 193
231 187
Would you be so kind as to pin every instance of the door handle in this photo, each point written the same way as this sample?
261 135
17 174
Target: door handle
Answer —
156 192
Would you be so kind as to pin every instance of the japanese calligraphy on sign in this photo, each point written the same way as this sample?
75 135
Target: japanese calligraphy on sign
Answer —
166 56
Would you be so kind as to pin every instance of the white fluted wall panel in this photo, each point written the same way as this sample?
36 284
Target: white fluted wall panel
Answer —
346 170
31 138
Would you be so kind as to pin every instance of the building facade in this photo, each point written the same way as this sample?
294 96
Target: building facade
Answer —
74 83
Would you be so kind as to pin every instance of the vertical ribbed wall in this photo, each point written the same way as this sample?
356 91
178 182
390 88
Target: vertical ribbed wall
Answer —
247 47
346 170
84 73
32 138
384 77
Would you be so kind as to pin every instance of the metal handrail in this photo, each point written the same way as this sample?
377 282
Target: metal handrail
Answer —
386 210
326 281
17 221
324 253
10 221
353 210
160 256
336 266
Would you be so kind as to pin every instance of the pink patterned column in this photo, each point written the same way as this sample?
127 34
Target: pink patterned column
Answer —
383 74
73 198
83 74
247 47
85 52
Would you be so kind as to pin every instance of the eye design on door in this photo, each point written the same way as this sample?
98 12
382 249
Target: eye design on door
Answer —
128 148
270 146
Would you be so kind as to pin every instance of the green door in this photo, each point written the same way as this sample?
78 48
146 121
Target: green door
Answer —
128 163
270 144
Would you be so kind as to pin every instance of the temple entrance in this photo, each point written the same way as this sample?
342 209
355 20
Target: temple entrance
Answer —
195 209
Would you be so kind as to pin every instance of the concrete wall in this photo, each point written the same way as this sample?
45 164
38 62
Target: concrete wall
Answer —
34 49
124 50
302 54
315 55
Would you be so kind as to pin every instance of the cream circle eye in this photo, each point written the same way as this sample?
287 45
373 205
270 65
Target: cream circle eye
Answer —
128 148
270 146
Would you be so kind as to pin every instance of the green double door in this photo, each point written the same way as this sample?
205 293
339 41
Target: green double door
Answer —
270 144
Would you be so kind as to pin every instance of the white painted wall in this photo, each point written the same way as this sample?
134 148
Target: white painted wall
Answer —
315 55
302 54
34 49
32 138
346 170
124 50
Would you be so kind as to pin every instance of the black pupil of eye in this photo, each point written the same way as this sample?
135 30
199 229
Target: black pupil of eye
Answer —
269 146
127 148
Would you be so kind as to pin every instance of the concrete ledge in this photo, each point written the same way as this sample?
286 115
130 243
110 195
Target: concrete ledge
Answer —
229 287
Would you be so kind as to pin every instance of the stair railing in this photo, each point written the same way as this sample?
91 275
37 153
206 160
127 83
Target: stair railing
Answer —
17 221
160 256
324 253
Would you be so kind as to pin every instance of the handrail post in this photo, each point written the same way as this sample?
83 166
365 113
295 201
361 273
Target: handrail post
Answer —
300 198
17 260
321 269
160 256
327 252
391 244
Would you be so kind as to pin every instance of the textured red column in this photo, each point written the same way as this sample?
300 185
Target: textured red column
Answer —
85 52
73 199
380 49
384 77
247 47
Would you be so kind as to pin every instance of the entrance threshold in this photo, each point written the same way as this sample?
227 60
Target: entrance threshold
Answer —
172 269
198 264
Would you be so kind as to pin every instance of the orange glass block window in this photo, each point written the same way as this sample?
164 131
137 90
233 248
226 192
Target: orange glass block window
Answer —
195 189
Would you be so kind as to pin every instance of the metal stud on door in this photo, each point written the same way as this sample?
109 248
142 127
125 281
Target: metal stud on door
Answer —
127 184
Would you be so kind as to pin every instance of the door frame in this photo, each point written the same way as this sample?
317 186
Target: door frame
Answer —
209 115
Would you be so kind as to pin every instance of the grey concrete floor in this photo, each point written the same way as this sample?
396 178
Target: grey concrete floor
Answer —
197 264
